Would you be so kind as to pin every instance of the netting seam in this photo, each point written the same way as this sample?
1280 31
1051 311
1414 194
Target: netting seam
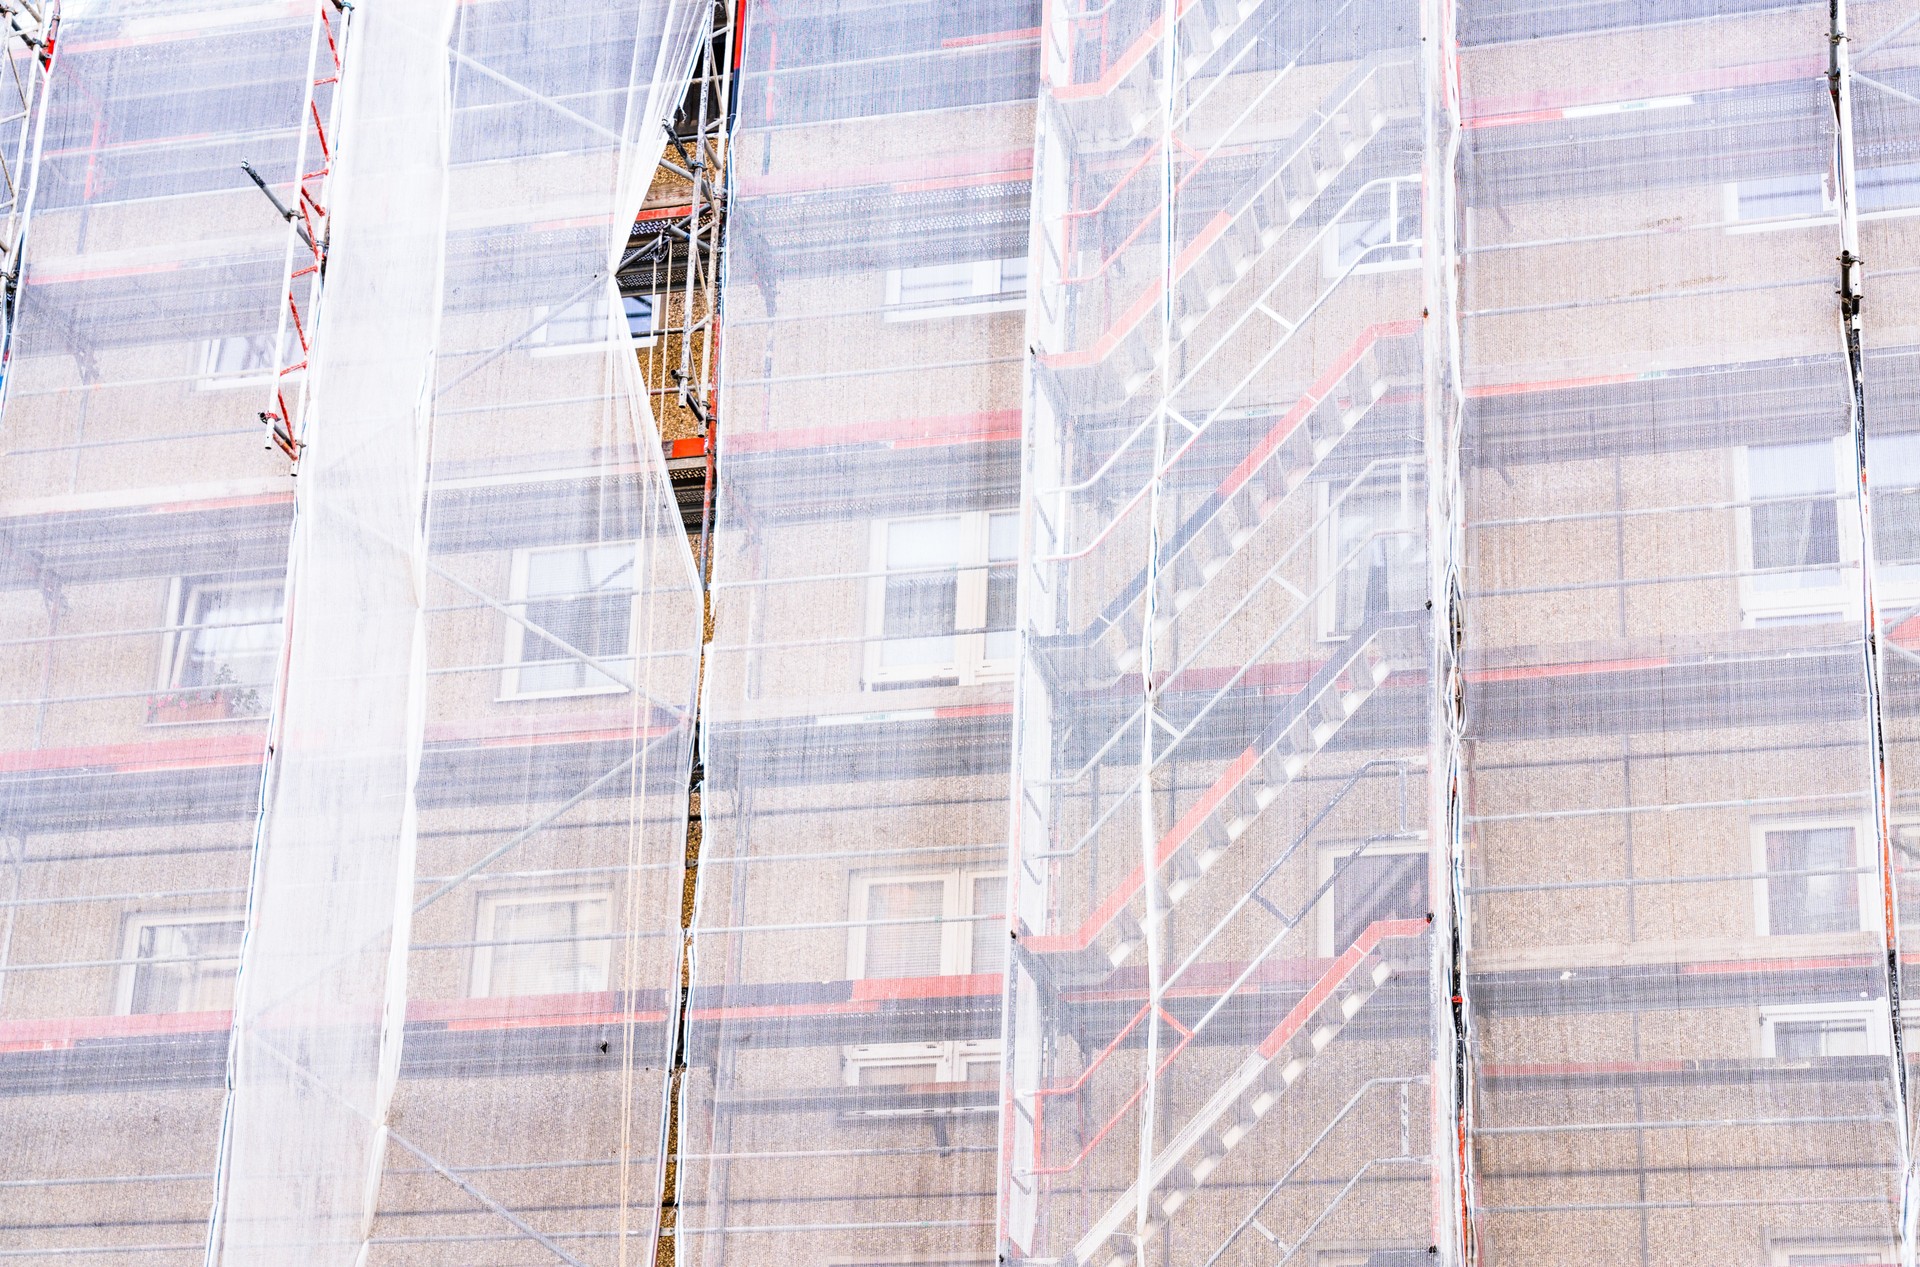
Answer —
1839 84
1445 425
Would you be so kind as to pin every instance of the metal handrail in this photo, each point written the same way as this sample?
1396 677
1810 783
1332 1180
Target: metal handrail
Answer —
1153 418
1253 592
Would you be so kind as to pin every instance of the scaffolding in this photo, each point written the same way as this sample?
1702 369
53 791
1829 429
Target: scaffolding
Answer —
422 792
1289 627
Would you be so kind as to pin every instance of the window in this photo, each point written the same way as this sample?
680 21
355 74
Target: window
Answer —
1372 880
1800 197
180 963
928 924
1832 1251
1814 882
952 290
943 608
1799 1034
1796 542
1379 233
1785 202
542 943
244 360
582 325
1890 190
221 649
1893 462
975 1061
585 597
1372 549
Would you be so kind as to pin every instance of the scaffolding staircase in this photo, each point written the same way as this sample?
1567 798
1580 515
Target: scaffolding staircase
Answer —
1156 398
1121 351
1232 515
1303 724
1117 107
1235 1109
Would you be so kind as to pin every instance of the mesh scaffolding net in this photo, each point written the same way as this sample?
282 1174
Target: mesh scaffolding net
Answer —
1313 618
448 904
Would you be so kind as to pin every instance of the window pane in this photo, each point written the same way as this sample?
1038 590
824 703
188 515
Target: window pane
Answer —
640 312
1375 887
1379 551
936 282
584 597
920 609
1819 899
1895 463
1780 196
898 1075
241 354
196 969
1380 229
232 637
1013 275
1892 188
564 947
989 935
1799 533
1821 1037
982 1070
908 949
581 322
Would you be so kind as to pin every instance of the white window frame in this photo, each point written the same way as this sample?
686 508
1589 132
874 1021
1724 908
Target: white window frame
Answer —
987 290
951 1060
1872 1252
969 664
1872 1015
1326 550
130 945
1829 205
1332 247
481 978
1865 880
520 639
210 379
539 344
177 642
956 914
1330 855
1840 601
1731 217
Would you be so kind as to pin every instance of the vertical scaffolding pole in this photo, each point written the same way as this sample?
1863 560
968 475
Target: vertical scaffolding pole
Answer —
1444 425
1851 299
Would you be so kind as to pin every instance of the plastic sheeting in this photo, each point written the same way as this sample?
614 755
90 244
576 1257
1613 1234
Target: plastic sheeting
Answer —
460 996
1677 958
1219 1038
1438 501
1886 125
1678 953
146 544
843 1054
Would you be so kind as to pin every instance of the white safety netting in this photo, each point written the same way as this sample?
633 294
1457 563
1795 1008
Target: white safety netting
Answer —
460 980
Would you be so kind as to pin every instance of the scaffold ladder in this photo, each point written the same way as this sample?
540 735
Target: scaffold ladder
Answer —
309 219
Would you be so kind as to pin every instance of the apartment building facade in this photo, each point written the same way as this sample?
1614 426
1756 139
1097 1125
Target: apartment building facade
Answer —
1304 667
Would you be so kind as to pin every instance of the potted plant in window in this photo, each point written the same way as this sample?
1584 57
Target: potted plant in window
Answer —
225 700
